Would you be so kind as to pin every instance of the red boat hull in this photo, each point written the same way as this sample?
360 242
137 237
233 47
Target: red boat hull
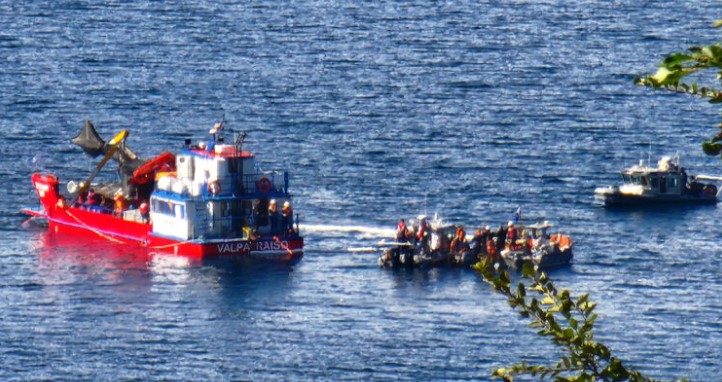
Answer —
77 220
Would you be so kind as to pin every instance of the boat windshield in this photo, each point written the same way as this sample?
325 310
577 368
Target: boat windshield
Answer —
635 179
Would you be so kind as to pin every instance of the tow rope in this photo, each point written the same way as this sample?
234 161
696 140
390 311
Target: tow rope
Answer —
94 230
283 246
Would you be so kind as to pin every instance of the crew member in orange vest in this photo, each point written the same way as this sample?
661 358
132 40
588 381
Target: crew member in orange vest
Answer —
287 218
491 249
144 212
119 204
273 215
511 236
401 232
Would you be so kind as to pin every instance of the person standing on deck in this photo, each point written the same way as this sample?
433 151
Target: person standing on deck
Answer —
273 215
500 238
402 232
478 244
683 181
486 235
286 217
93 198
119 204
422 237
511 236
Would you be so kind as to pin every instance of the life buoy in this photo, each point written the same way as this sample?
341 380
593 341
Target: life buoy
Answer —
264 185
214 188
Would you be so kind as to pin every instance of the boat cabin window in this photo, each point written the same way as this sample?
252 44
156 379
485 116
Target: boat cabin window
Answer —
635 179
167 207
232 165
654 182
672 182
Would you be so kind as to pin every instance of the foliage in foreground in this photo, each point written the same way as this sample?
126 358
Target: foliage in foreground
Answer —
567 321
676 68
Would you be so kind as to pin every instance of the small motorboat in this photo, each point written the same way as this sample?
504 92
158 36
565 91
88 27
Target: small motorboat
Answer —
427 244
436 243
666 184
537 247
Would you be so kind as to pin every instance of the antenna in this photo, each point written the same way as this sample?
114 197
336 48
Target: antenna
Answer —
239 140
426 194
649 154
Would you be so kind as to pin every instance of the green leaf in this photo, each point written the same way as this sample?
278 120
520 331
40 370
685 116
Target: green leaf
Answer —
521 290
667 76
500 372
536 288
582 299
504 277
564 294
591 319
547 301
713 51
603 351
711 148
528 271
675 61
717 137
567 364
566 308
715 97
662 74
568 333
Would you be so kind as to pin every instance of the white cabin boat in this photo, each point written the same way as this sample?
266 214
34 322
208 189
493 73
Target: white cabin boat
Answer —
665 184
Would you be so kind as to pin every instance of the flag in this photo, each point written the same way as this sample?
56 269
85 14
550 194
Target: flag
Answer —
517 215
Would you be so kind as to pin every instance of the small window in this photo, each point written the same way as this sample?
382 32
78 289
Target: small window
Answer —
654 182
232 165
179 211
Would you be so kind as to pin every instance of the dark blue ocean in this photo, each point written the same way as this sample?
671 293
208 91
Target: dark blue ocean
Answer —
380 110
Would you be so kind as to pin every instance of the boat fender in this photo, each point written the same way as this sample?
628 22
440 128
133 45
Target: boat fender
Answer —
710 189
214 188
264 185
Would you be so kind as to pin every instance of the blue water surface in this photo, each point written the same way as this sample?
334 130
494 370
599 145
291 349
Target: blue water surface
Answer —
380 110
